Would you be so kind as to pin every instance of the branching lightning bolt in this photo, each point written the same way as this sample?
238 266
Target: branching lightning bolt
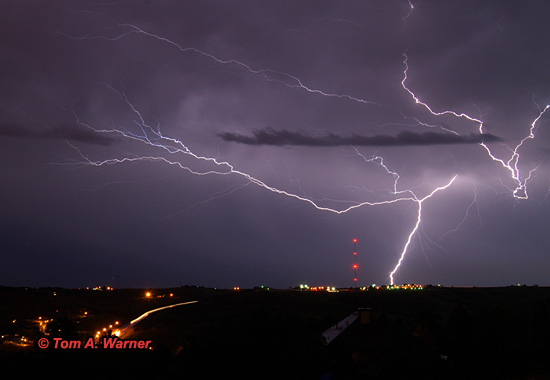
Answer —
415 229
511 165
475 204
153 137
270 75
380 161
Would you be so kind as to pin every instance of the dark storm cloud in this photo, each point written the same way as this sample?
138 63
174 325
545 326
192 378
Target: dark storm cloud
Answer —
62 132
156 225
284 137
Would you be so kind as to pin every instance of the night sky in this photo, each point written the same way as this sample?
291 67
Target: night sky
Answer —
246 143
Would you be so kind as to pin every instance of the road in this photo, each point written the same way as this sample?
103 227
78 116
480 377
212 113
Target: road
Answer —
147 313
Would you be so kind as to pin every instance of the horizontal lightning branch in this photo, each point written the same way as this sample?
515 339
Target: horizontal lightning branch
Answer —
154 138
270 75
174 150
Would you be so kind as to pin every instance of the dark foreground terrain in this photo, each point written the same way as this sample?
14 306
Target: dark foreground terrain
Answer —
435 333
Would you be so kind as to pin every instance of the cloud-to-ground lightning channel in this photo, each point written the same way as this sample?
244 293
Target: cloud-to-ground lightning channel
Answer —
380 161
152 136
415 229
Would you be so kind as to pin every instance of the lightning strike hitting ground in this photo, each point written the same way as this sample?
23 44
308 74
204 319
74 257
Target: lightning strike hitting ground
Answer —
153 137
415 229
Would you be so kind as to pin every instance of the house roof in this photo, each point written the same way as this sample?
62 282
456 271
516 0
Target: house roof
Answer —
330 334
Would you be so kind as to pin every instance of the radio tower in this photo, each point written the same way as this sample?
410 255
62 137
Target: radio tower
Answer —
355 262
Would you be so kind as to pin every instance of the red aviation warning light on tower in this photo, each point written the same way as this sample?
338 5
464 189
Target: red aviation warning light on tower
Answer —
355 262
